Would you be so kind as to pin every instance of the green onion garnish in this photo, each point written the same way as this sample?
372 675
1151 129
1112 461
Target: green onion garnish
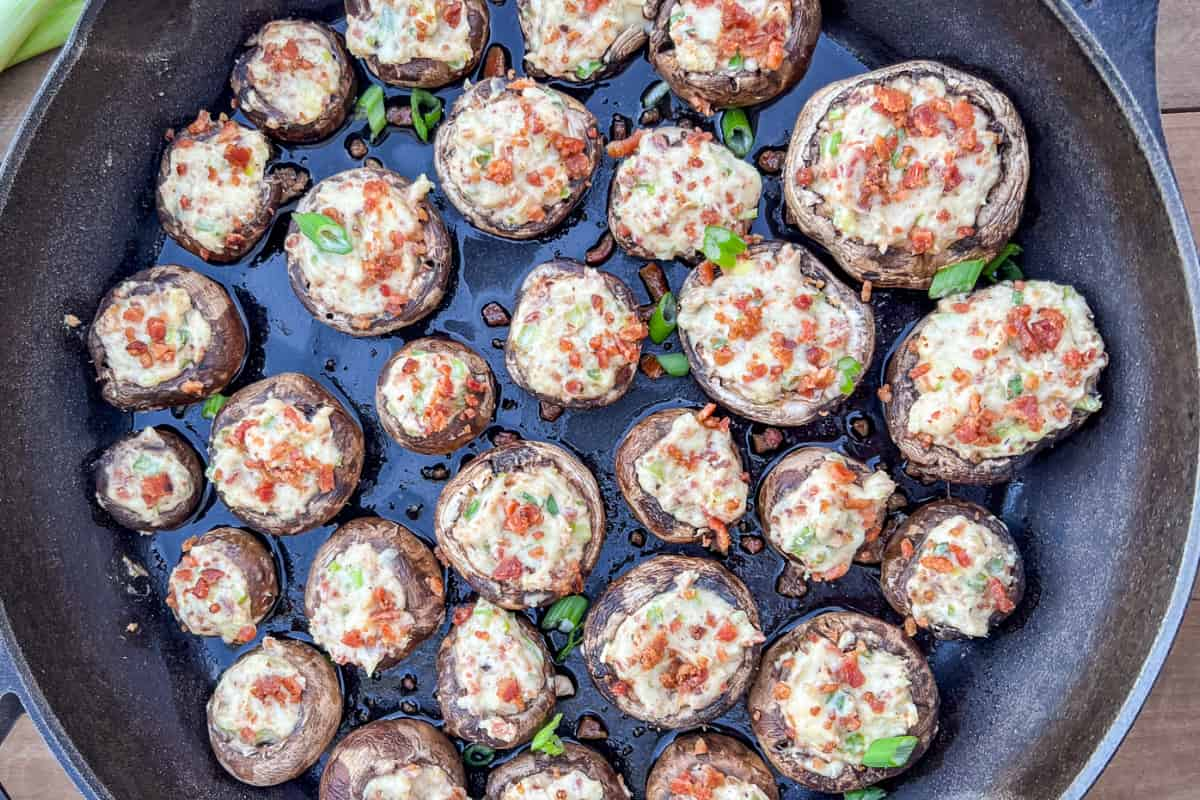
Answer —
472 509
370 107
551 505
478 755
327 235
1002 267
546 740
891 752
832 143
213 405
1015 387
850 369
722 246
737 61
588 68
573 640
675 364
869 793
662 322
566 614
736 132
426 111
655 93
956 278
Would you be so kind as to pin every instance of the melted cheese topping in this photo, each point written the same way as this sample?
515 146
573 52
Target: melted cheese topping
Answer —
571 37
529 529
361 615
208 592
275 460
147 479
694 472
292 73
498 668
215 185
677 183
517 154
573 337
1003 368
386 228
680 651
400 31
413 782
554 784
258 702
153 337
426 391
963 574
824 521
906 164
836 700
767 332
730 36
704 782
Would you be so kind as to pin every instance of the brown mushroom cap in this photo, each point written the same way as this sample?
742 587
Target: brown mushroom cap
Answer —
623 48
382 747
574 757
429 73
253 558
726 755
170 443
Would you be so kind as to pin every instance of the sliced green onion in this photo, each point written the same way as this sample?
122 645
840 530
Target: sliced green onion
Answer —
356 576
893 751
850 369
573 640
1090 404
327 235
662 321
546 740
472 509
831 144
898 153
737 62
478 755
370 107
675 364
1015 387
736 132
588 68
566 614
426 111
956 278
551 506
1002 268
213 405
655 93
1018 298
869 793
722 246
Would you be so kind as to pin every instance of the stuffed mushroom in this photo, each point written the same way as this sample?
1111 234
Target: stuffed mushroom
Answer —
224 585
515 157
673 187
523 524
777 338
710 766
733 54
295 81
954 569
274 712
434 395
426 45
285 455
496 682
163 337
151 480
674 642
681 474
374 593
908 169
991 377
843 701
394 759
582 41
575 337
578 773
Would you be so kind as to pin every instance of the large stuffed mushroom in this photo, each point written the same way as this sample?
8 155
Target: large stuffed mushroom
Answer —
149 481
674 642
285 455
839 690
908 169
425 45
165 336
394 758
710 766
777 338
990 378
582 42
578 773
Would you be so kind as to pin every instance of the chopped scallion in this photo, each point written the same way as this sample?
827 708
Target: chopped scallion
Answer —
370 107
426 111
662 321
213 405
327 235
869 793
588 68
956 278
850 368
893 751
675 364
478 755
736 132
722 246
566 614
546 740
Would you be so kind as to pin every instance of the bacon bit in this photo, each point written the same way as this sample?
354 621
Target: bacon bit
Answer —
325 480
500 170
247 735
706 272
619 688
266 492
952 179
962 115
849 673
915 176
453 14
906 548
200 590
508 569
891 101
995 590
653 653
155 488
937 564
842 473
805 176
869 698
509 691
463 613
920 370
246 633
923 121
353 639
727 632
625 147
1026 407
781 691
961 556
185 202
922 240
238 157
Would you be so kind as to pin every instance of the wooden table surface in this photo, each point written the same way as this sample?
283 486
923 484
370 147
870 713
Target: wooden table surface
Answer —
1158 758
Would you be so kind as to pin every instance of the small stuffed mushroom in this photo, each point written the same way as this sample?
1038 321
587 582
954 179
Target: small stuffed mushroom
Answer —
389 257
777 338
434 395
873 693
740 54
579 773
575 337
295 81
274 712
582 42
822 510
523 524
224 585
515 157
496 682
425 45
681 474
672 186
674 642
954 569
908 169
394 759
150 481
374 593
285 455
709 766
163 337
990 378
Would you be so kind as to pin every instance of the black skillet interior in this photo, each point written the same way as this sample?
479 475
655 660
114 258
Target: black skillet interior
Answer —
1102 520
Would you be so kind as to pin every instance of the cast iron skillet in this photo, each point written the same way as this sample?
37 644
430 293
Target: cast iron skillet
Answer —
1106 521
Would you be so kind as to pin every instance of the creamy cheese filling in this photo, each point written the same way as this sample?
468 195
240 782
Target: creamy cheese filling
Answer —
529 529
826 519
836 700
555 784
147 479
258 702
571 37
426 391
906 164
275 460
704 782
1003 368
963 574
499 669
293 72
214 185
152 337
208 592
573 337
413 782
680 651
400 31
694 472
666 194
730 35
767 332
